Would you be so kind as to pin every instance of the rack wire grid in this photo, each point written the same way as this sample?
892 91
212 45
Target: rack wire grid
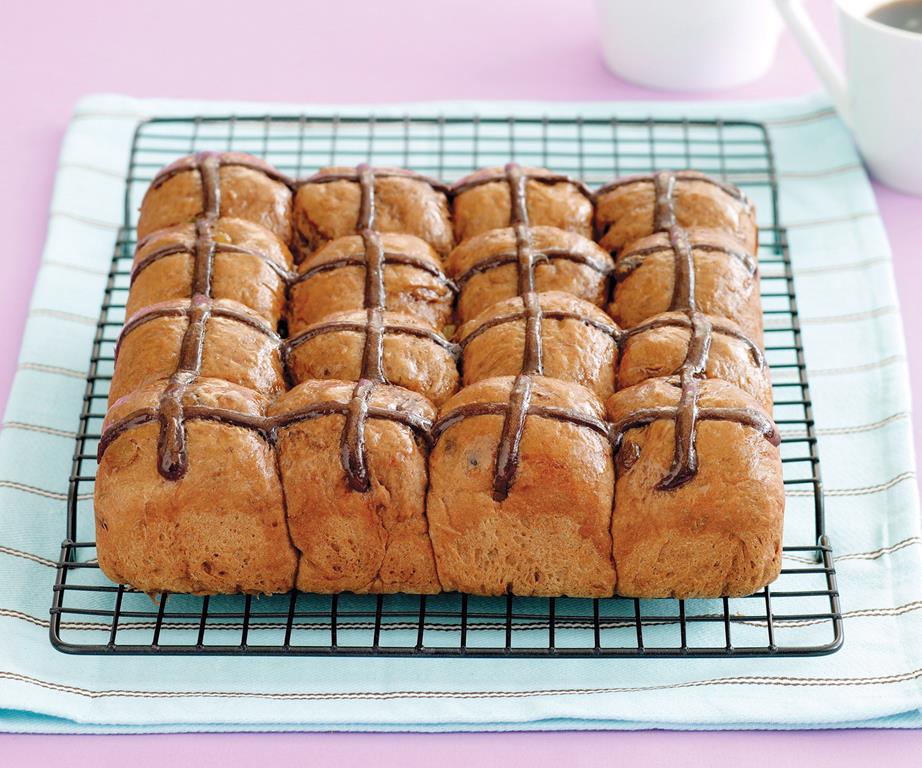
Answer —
798 615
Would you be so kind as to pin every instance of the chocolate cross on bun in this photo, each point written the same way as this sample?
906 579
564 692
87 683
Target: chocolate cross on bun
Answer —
503 263
578 341
410 353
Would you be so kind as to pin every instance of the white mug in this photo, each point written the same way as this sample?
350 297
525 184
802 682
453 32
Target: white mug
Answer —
880 96
684 45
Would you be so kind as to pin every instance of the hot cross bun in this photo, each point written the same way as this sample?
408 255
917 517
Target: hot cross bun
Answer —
187 495
412 354
222 338
251 266
650 277
333 203
226 184
504 263
578 341
637 206
485 200
336 279
506 511
352 458
699 498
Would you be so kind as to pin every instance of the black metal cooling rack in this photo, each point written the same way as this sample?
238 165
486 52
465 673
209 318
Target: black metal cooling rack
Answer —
798 615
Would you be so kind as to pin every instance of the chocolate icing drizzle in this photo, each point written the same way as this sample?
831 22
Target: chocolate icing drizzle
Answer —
353 451
171 413
354 326
225 248
189 310
663 197
403 259
633 259
266 426
687 412
519 407
173 458
546 314
542 256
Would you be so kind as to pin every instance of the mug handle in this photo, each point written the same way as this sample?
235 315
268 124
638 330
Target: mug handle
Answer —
795 15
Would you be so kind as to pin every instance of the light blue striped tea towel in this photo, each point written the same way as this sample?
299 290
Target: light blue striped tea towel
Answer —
856 357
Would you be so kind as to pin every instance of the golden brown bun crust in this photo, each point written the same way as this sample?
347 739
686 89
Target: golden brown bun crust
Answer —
219 529
550 536
572 350
660 351
413 362
487 206
724 287
484 289
625 213
330 210
720 533
235 276
363 542
234 351
246 193
407 288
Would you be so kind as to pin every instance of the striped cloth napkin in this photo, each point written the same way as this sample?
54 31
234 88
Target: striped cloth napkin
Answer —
856 357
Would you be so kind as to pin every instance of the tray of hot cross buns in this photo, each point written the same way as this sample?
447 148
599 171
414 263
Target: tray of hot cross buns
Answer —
374 381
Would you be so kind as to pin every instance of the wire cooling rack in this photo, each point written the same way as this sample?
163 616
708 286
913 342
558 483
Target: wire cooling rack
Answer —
798 615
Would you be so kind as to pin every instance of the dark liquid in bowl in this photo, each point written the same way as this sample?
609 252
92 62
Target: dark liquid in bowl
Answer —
902 14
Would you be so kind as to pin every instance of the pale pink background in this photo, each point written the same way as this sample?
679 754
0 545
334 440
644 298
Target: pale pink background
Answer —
348 51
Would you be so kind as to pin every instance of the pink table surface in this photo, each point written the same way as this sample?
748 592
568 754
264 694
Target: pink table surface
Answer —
350 51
